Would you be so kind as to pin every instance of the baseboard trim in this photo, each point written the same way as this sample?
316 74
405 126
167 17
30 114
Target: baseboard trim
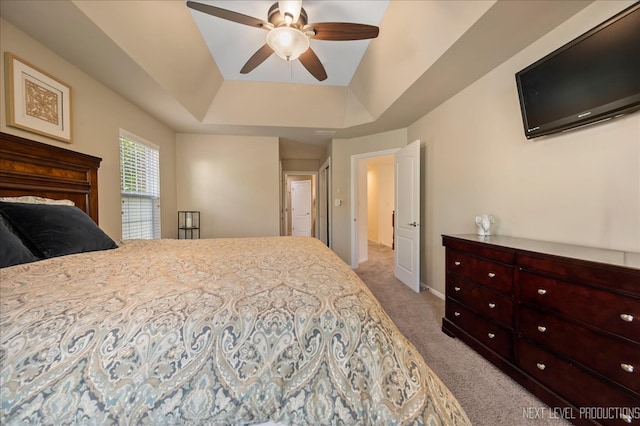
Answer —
432 290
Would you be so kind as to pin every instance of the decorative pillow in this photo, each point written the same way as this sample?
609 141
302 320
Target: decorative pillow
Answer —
32 199
12 251
55 230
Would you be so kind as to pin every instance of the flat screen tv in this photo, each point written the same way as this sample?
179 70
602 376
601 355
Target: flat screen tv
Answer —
593 78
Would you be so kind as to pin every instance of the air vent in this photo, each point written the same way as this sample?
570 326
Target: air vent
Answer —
325 132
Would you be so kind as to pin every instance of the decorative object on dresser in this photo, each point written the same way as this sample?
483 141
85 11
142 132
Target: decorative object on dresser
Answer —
188 224
562 320
37 101
484 222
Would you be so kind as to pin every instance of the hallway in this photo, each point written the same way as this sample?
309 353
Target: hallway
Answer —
380 256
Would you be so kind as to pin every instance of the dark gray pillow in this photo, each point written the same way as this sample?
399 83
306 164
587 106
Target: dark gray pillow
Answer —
54 230
12 251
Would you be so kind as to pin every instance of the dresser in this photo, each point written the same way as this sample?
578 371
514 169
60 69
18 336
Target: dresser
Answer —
562 320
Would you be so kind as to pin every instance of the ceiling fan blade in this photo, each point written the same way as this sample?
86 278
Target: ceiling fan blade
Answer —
310 61
337 31
259 57
228 15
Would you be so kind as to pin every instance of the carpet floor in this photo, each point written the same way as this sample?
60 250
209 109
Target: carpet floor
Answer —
488 396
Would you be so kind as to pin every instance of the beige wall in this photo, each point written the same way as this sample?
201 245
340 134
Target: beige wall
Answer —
232 180
300 165
579 187
97 113
341 151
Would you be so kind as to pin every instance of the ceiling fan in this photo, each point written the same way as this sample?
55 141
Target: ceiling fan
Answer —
289 33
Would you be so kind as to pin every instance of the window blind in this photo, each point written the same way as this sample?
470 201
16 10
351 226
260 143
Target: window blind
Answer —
140 188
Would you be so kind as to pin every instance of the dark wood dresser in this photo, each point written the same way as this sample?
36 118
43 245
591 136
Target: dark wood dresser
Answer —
562 320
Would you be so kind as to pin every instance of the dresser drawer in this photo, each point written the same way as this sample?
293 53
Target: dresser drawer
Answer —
608 311
492 336
598 274
483 301
616 359
490 274
577 386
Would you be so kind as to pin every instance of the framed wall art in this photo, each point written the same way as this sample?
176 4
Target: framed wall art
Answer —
37 101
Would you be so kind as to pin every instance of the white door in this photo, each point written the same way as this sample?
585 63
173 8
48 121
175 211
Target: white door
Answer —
407 218
301 208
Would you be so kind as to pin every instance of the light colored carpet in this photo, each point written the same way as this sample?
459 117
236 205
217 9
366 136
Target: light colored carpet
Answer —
488 396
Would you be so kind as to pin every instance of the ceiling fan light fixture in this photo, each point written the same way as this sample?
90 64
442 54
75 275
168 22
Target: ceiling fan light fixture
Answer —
288 42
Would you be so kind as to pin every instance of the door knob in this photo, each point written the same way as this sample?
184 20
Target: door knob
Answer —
414 224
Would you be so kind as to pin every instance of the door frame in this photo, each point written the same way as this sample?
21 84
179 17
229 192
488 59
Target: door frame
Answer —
285 201
323 201
354 198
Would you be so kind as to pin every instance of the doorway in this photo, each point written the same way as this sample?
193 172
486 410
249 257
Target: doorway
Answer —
308 196
324 216
406 182
360 209
380 199
301 205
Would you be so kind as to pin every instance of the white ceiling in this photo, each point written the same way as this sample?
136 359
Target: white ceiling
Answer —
152 53
232 44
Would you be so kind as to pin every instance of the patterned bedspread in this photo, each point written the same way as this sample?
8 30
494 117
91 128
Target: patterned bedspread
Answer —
219 331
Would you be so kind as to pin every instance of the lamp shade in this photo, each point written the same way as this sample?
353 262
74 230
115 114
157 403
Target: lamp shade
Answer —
288 42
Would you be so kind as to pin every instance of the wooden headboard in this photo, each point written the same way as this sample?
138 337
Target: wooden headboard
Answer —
33 168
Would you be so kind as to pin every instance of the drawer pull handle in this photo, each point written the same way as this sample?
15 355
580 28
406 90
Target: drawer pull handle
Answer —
457 263
492 305
491 275
627 367
626 317
456 314
541 366
491 335
542 291
626 418
542 328
456 288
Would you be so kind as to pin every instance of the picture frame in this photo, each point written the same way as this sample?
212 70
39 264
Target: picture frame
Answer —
37 101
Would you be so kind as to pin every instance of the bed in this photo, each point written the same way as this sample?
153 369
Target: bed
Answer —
213 331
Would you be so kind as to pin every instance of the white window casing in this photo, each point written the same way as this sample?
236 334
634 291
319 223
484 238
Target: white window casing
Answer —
139 187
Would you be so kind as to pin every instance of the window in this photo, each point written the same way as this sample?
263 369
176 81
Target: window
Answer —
139 188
